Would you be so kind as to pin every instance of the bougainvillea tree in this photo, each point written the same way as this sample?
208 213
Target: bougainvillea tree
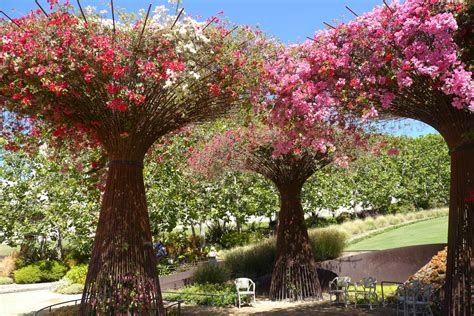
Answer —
414 60
120 85
252 149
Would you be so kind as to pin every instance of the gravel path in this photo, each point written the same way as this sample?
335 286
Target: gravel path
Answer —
266 307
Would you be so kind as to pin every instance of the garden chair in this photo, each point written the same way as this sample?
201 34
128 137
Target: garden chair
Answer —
368 291
415 299
244 287
419 302
339 287
400 299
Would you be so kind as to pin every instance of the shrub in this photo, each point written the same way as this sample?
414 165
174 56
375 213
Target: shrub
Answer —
234 239
215 231
41 271
6 280
226 290
327 243
344 217
77 274
211 274
164 269
28 274
354 227
52 270
316 221
253 260
69 288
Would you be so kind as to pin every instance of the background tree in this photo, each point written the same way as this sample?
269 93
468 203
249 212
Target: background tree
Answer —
177 197
251 149
46 205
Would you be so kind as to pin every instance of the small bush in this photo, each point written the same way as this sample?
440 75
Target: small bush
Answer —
6 280
317 222
253 260
69 288
354 227
327 243
233 239
344 217
394 219
215 231
227 290
77 274
28 274
211 274
52 270
41 271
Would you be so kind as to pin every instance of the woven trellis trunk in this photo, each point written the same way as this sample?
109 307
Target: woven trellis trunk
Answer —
294 274
122 258
459 276
457 128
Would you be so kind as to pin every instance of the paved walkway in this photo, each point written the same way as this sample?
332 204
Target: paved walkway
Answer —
12 288
17 299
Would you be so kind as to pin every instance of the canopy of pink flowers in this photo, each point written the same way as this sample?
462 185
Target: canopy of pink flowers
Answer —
363 65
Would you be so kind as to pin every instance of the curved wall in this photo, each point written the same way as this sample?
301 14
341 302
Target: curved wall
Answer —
385 265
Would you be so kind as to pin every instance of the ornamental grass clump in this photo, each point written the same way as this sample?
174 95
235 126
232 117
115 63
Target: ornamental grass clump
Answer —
327 243
211 274
251 261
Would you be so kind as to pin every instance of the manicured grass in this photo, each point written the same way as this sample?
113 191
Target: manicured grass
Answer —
431 231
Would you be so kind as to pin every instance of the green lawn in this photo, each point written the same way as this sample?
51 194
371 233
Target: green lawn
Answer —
432 231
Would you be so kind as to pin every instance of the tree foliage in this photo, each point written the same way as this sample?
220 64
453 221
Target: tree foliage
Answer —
48 202
417 176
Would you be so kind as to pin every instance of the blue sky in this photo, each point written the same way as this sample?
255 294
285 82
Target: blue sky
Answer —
288 20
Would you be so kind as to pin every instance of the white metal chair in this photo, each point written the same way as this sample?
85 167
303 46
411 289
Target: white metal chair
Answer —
400 299
415 298
244 287
368 291
339 287
419 303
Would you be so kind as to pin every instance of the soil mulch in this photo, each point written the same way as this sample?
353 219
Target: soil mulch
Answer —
264 307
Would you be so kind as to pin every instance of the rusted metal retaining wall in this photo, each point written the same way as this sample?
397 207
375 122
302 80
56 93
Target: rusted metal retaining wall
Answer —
392 264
